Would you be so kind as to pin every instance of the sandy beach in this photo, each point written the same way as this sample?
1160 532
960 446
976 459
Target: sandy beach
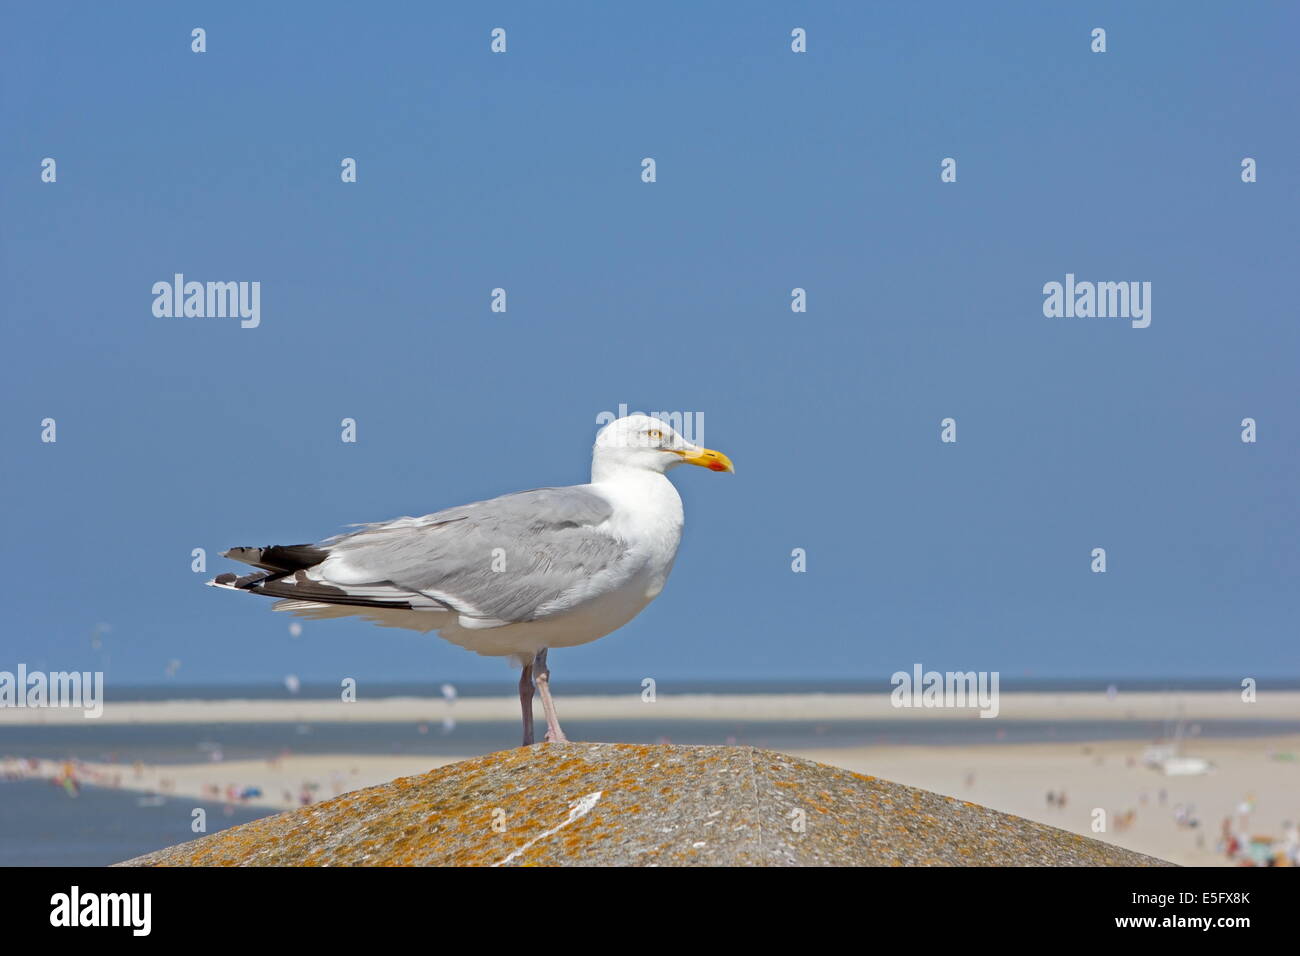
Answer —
1195 705
1108 776
282 782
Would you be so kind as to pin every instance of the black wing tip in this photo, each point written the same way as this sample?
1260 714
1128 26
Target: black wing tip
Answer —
245 583
286 558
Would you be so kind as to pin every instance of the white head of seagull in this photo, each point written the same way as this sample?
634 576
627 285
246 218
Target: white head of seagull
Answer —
511 576
640 442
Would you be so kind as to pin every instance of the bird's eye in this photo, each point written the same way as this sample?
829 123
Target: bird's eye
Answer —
655 433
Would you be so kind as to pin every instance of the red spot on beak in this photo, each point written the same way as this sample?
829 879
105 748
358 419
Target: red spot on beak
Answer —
716 466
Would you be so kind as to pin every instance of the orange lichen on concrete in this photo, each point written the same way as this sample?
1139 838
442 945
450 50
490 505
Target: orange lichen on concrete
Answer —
639 804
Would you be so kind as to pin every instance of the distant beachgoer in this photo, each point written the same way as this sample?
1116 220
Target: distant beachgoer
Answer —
1225 837
1051 798
1290 842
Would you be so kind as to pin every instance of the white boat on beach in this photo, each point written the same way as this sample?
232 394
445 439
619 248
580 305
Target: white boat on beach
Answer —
1176 766
1169 759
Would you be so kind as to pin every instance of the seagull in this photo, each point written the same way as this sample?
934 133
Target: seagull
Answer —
508 577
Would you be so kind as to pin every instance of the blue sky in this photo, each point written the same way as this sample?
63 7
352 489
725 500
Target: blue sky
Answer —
775 170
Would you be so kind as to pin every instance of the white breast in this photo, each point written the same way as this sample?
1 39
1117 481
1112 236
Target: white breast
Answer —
647 515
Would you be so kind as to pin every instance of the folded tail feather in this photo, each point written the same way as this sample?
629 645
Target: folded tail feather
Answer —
286 574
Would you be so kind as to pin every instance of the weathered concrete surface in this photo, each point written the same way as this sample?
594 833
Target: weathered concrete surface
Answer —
632 804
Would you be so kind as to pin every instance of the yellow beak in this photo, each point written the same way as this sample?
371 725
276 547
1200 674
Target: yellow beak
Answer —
708 458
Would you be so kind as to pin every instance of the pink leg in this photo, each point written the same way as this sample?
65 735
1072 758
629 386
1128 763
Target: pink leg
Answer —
526 703
542 674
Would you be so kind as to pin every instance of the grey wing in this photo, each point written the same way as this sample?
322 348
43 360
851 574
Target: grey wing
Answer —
516 558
